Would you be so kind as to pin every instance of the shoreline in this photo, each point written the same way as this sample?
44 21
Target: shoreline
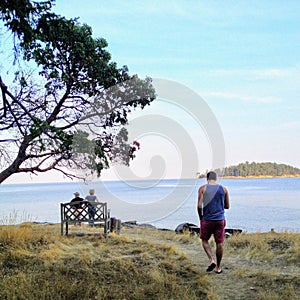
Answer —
186 178
192 228
260 177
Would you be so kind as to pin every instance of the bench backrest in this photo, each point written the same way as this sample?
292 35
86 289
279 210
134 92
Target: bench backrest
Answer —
83 210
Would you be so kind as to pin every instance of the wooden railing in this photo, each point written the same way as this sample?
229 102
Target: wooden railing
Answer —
95 213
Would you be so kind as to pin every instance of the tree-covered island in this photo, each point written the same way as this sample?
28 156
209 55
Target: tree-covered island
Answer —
255 169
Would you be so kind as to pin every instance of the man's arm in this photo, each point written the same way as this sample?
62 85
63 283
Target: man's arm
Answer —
226 204
200 201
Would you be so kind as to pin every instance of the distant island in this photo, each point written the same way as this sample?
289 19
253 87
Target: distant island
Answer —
249 170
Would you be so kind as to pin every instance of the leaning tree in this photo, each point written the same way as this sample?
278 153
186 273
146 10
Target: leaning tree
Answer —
66 105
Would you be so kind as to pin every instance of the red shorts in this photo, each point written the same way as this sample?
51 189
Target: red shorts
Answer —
217 228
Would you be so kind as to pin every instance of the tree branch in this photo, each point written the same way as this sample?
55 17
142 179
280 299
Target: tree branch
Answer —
38 168
3 91
18 102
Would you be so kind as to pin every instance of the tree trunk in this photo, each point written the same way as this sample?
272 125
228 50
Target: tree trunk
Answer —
21 157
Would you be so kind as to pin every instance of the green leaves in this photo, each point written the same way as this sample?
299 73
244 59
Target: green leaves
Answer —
20 17
76 84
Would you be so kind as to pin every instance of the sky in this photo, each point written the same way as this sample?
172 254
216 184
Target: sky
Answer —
241 57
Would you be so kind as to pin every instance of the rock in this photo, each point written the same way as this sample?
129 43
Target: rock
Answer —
181 228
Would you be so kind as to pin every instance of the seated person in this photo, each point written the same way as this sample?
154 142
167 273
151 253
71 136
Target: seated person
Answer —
77 206
91 198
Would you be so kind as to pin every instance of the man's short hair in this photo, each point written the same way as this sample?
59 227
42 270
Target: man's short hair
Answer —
211 175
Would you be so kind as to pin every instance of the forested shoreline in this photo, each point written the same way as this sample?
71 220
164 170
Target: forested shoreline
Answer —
253 169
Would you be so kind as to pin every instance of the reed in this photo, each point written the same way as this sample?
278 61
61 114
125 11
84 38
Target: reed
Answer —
15 217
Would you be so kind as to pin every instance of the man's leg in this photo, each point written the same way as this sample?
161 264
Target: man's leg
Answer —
219 239
205 234
207 250
219 255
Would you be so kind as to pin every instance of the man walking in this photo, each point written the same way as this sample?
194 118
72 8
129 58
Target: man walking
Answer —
213 198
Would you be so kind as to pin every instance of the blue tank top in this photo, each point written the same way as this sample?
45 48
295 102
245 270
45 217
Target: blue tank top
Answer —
213 203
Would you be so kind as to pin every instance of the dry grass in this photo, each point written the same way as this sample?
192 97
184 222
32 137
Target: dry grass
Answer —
268 263
15 218
37 263
273 247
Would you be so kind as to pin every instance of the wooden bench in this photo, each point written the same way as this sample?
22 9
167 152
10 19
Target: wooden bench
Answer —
95 213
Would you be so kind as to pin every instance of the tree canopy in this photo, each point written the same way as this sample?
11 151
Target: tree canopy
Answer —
67 105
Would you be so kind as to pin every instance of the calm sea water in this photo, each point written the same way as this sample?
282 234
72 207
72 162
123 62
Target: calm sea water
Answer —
256 204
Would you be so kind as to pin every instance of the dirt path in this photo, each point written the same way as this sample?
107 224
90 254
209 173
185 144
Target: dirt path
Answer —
226 285
240 277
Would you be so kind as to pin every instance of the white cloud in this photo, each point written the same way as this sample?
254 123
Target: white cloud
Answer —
256 74
291 124
235 96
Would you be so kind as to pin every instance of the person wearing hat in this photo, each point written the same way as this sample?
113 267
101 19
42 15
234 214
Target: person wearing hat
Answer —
77 206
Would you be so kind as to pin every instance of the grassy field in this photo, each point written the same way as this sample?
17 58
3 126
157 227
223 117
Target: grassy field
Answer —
37 263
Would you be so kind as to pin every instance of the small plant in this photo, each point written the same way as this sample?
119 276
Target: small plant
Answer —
14 218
